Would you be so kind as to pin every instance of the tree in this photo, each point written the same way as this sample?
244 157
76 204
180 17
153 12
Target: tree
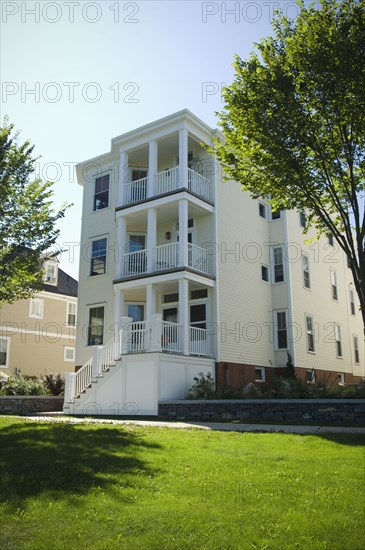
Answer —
294 123
27 220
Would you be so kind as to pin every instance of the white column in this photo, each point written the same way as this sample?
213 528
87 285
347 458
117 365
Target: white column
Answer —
123 177
152 167
156 331
183 157
95 367
150 301
183 232
126 334
151 238
118 310
69 387
184 314
121 246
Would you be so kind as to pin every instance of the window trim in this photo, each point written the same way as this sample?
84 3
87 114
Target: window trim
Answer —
97 176
69 303
338 341
263 375
32 301
268 274
7 339
53 281
302 219
65 349
280 212
334 285
304 271
264 206
330 239
273 248
356 349
89 308
310 331
352 302
276 330
92 241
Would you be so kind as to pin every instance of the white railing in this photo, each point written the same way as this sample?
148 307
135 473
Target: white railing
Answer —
136 191
109 353
83 377
135 263
199 341
199 259
199 184
170 337
166 256
138 340
166 181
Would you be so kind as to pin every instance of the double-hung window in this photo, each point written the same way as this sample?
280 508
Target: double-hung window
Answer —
338 340
4 351
281 331
352 301
356 349
101 196
95 336
334 285
98 257
306 272
310 333
71 314
278 264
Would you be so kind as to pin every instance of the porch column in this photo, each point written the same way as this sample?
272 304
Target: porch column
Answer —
156 332
126 334
121 246
123 177
183 157
184 314
151 238
150 301
152 167
183 232
118 311
69 387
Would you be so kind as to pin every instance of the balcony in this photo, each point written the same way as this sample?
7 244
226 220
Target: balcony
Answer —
167 181
165 257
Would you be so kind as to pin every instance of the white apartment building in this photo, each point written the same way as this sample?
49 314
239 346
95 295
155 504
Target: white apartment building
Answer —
182 273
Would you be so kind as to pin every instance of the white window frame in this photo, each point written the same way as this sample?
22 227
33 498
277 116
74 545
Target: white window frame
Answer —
341 378
92 241
89 308
97 176
273 248
302 219
52 280
355 343
65 358
263 374
7 340
276 329
330 239
275 212
306 269
268 274
352 302
263 205
334 285
33 301
67 324
312 378
310 332
338 341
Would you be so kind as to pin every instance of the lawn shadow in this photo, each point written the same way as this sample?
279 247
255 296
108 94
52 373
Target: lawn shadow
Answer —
38 458
351 439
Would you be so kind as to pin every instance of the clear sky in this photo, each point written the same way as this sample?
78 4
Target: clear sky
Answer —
75 74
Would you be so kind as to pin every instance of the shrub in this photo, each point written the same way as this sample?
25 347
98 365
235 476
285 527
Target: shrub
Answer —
23 385
54 383
204 387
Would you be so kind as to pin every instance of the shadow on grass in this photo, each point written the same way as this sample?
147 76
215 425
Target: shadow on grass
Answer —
56 459
353 440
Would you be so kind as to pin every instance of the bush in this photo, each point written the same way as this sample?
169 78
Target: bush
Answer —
54 383
204 387
23 385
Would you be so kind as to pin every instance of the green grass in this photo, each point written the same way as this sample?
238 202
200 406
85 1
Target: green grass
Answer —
75 486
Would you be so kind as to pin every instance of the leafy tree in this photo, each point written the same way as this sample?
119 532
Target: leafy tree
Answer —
27 220
294 123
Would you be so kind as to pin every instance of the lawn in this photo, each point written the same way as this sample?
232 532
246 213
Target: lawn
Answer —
77 486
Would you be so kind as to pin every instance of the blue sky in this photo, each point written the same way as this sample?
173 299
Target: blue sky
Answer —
75 74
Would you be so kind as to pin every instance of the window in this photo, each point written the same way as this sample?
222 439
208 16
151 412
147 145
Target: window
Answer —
341 378
199 294
338 340
71 314
334 285
306 274
278 264
69 354
170 298
310 376
190 223
50 276
101 197
302 219
95 335
310 333
136 312
98 257
36 308
330 239
265 273
352 301
275 214
281 335
356 350
198 316
348 262
260 374
4 351
262 210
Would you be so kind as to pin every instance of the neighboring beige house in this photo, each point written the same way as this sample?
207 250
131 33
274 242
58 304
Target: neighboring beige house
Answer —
38 334
183 273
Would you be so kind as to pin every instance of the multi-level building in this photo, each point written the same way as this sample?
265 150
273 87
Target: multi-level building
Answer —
38 334
183 273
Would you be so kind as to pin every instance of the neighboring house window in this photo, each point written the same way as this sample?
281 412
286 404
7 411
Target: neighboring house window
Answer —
306 273
262 210
69 354
341 378
281 333
275 214
330 239
101 197
259 374
338 340
50 276
302 219
36 308
71 314
310 332
278 264
310 376
265 273
356 350
334 285
98 257
352 301
96 326
4 351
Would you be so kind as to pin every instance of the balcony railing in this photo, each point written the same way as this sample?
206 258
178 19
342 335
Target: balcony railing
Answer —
167 181
166 256
199 259
136 191
138 340
171 339
198 184
199 341
135 263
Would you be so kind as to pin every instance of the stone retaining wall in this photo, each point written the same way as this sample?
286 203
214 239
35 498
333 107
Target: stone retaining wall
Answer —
329 411
30 404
